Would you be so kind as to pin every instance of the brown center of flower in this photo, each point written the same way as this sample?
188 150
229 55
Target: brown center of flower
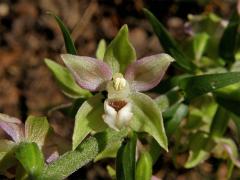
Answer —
117 104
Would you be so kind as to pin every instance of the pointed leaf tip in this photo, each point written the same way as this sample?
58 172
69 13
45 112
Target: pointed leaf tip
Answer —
120 52
89 73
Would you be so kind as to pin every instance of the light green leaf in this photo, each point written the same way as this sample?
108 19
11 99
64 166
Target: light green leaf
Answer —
88 119
71 161
198 85
144 167
31 158
120 52
36 129
110 141
199 44
101 49
65 81
66 35
125 162
148 118
198 150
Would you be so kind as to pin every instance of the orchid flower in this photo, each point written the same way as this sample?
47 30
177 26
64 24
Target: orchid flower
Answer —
95 75
123 78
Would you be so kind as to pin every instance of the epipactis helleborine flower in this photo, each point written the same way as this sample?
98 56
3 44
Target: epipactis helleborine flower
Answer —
96 75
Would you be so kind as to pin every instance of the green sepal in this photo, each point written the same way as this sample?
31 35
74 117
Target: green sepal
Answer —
148 118
88 119
120 52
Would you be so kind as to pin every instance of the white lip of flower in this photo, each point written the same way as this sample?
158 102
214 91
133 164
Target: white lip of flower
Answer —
118 113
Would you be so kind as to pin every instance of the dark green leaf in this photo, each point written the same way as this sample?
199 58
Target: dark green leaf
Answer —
66 35
169 44
231 105
198 150
198 85
71 161
65 81
144 167
227 46
125 162
173 123
31 158
219 122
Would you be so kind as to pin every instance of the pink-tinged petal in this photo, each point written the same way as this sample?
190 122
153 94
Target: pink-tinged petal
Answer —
232 155
89 73
146 73
155 178
12 127
53 157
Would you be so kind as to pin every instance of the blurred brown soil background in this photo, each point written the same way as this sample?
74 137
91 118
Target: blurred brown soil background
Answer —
28 35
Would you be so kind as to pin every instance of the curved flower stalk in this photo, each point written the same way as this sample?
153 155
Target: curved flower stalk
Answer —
123 78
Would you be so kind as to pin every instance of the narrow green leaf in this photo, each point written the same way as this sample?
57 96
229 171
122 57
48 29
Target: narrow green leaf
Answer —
65 81
148 118
125 162
199 44
109 143
198 85
169 44
229 98
230 105
36 129
144 167
66 35
88 118
228 42
71 161
120 52
219 122
173 123
101 49
31 158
